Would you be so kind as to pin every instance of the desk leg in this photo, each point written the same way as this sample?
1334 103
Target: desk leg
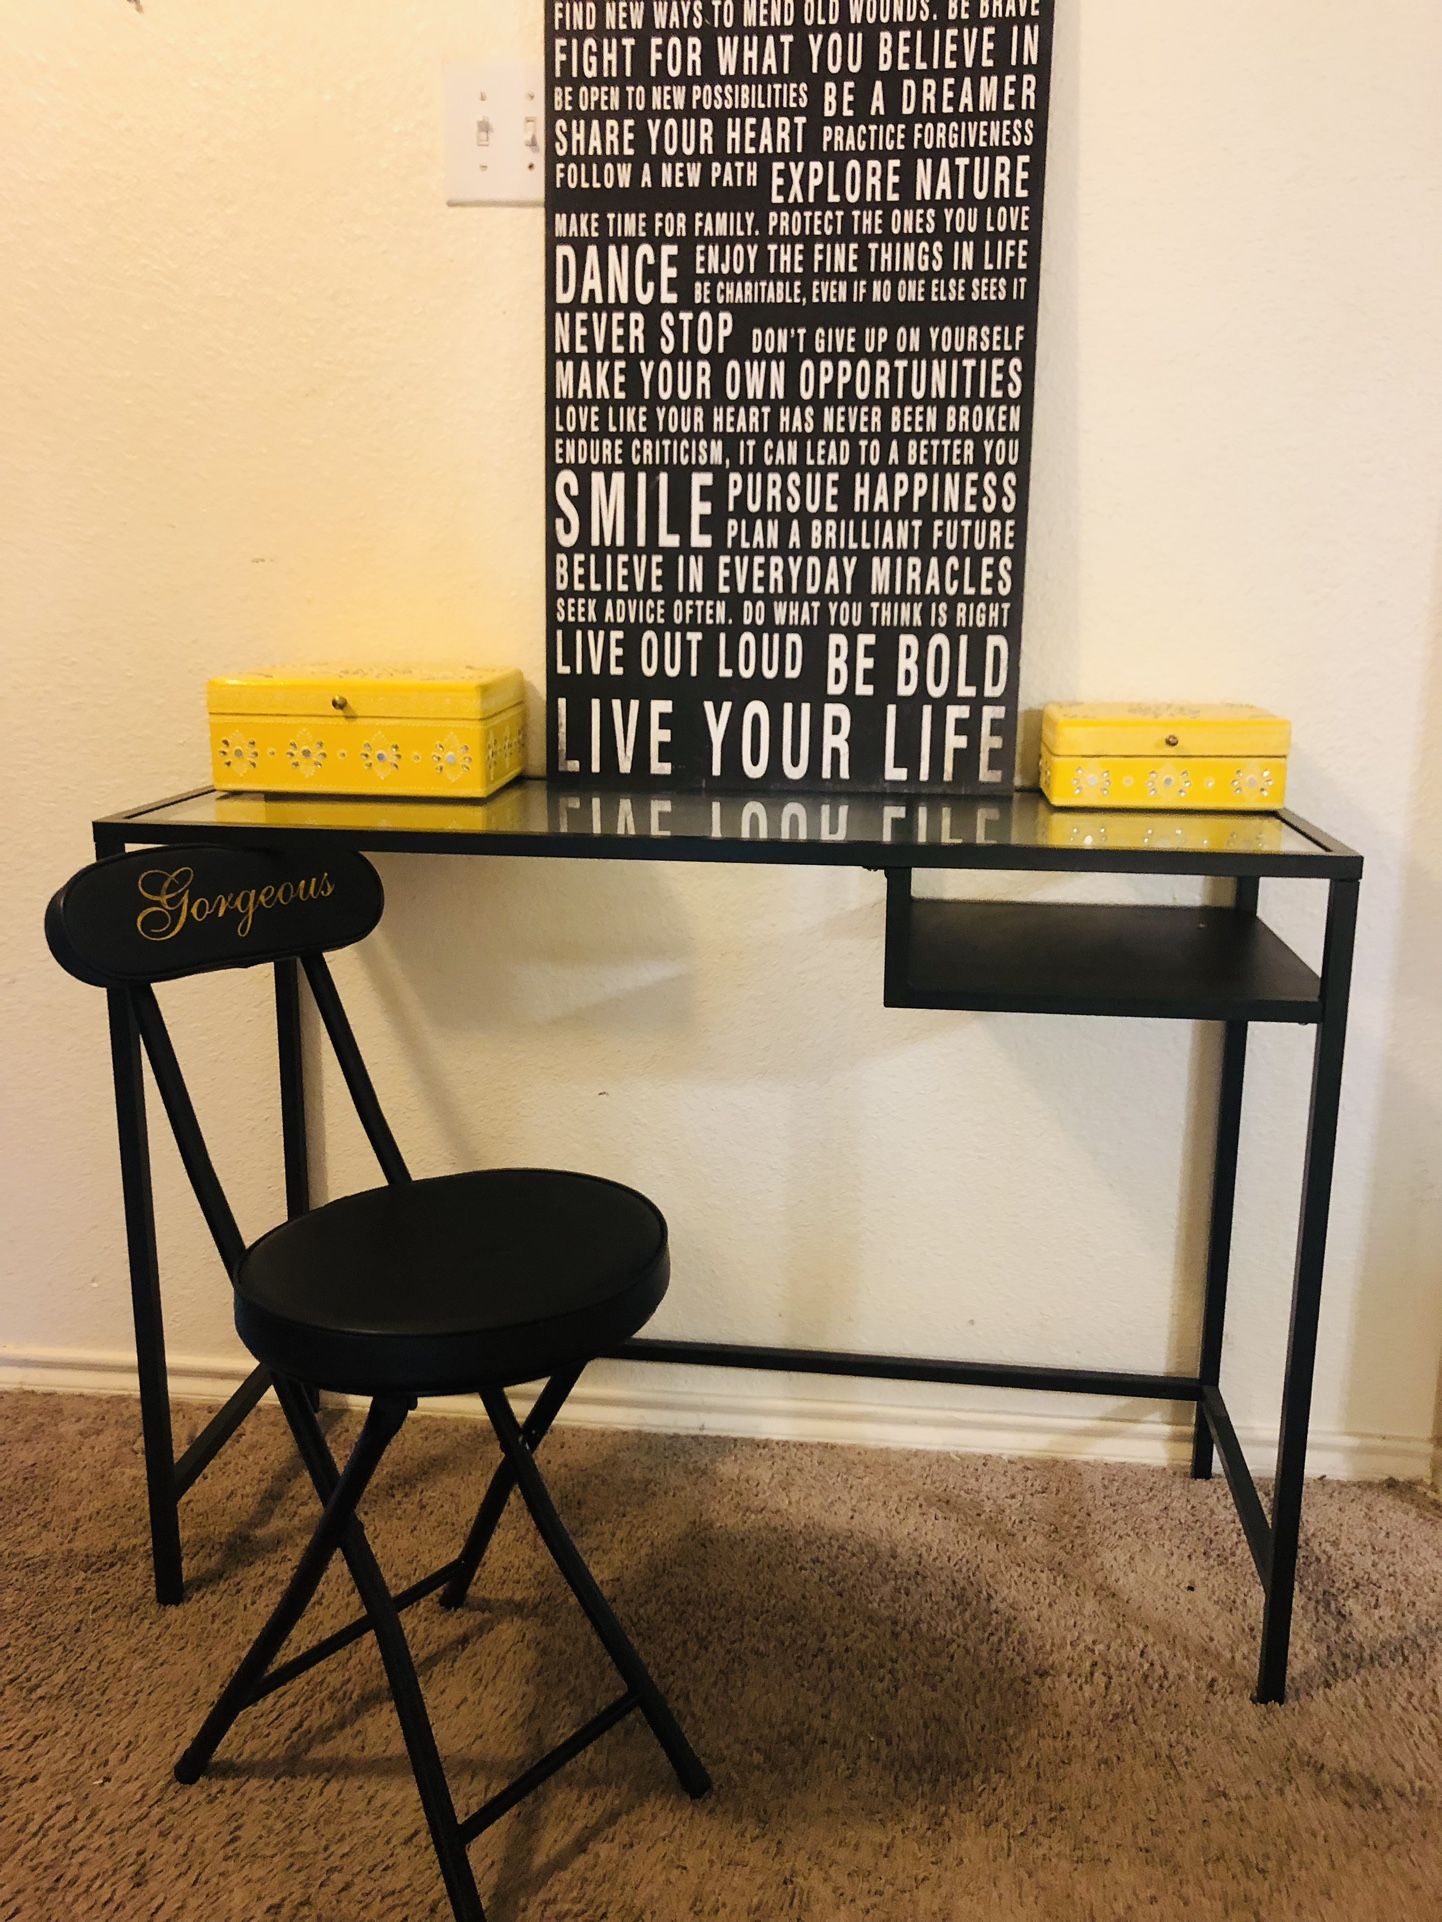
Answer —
1219 1240
295 1144
1307 1290
155 1431
1224 1194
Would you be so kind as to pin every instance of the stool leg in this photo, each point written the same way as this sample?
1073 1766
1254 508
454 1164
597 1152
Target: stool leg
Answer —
345 1492
405 1687
340 1491
534 1429
690 1771
416 1730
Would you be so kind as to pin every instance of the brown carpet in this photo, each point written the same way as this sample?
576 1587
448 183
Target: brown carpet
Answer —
930 1688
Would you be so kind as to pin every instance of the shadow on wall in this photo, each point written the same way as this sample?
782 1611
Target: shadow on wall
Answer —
734 985
1400 1253
1143 1153
473 948
657 963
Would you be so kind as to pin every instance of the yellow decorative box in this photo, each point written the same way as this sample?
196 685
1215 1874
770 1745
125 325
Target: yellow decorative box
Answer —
1133 754
368 730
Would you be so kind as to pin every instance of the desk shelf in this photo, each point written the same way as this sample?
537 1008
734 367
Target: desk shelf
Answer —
1022 957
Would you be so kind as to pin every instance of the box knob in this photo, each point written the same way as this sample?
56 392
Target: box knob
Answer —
338 702
1171 740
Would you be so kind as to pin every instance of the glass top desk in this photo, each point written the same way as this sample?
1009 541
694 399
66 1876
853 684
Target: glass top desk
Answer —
1211 963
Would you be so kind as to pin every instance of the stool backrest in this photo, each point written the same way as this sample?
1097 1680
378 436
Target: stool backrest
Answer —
160 914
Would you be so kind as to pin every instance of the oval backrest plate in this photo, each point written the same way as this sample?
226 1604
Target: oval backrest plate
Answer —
159 913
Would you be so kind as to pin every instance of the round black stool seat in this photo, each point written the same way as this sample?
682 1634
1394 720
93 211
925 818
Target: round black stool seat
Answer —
452 1284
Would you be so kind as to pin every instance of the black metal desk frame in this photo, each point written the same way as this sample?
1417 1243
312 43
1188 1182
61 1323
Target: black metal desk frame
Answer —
1212 964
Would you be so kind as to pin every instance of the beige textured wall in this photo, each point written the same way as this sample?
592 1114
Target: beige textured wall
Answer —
265 395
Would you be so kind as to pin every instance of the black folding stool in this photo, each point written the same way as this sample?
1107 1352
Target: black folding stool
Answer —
464 1283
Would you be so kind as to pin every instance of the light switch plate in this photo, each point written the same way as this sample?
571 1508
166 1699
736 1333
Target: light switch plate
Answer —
495 133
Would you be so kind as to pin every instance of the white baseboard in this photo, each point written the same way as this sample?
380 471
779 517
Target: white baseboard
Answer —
755 1406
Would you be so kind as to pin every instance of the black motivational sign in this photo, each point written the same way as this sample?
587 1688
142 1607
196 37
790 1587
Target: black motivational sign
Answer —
791 304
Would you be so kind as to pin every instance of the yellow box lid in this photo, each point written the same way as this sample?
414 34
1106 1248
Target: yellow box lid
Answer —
421 691
1162 728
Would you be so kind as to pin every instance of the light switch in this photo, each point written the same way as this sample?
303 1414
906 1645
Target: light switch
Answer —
496 133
